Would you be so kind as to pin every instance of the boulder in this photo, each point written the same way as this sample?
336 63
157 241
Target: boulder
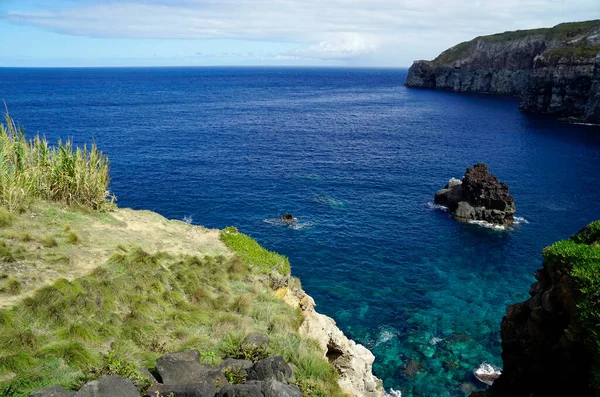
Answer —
109 386
235 364
274 388
52 391
181 368
250 389
271 368
479 196
204 389
464 212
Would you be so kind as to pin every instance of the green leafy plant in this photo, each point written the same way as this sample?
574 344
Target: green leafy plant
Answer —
114 366
235 375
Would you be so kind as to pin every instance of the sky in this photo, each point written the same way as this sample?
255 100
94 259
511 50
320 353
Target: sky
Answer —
386 33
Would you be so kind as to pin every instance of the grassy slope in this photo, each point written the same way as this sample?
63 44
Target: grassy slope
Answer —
562 33
158 286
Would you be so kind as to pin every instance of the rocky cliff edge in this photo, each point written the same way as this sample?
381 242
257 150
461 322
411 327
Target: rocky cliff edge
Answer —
554 70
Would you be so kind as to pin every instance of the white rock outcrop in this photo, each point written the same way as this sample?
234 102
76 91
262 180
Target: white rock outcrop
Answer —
353 361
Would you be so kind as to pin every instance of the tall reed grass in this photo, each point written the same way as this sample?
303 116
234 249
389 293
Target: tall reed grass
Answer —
32 169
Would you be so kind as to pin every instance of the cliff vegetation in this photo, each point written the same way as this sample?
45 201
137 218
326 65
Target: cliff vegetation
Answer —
551 342
87 288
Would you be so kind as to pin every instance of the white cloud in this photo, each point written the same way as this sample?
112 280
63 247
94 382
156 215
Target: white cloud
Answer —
344 46
322 29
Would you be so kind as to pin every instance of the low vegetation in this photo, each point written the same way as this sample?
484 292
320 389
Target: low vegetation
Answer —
561 33
85 292
580 256
32 169
253 254
137 307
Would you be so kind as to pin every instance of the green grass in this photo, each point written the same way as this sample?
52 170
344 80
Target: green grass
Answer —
49 241
32 170
581 51
561 33
253 254
140 305
72 237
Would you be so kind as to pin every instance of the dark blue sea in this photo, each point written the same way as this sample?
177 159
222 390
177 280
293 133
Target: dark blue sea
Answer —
356 157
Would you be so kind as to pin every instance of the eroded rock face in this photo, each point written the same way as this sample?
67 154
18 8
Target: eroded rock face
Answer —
480 196
352 361
553 70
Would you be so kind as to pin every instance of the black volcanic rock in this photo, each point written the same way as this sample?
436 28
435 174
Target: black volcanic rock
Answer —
547 347
479 196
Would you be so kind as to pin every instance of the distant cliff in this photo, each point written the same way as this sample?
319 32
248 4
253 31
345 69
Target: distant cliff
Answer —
551 342
554 70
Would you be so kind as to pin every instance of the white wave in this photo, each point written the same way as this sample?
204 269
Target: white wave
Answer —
385 336
434 340
492 226
188 219
295 225
520 220
487 373
393 393
435 206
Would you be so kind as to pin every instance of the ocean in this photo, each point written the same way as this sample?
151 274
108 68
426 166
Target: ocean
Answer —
356 157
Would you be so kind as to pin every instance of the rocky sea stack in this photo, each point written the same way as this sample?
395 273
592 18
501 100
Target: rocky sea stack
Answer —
480 196
554 70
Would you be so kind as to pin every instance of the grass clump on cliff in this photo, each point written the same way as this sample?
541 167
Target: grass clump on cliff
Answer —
32 170
580 256
253 254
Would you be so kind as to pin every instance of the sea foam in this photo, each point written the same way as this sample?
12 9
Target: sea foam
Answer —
491 226
295 225
393 393
435 206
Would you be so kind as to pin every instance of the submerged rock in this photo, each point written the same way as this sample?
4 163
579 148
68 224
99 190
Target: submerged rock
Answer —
480 196
287 218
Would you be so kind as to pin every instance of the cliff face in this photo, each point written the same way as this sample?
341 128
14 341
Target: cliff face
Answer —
553 70
549 342
352 361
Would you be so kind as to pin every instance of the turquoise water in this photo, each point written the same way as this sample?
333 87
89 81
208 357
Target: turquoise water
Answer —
356 157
